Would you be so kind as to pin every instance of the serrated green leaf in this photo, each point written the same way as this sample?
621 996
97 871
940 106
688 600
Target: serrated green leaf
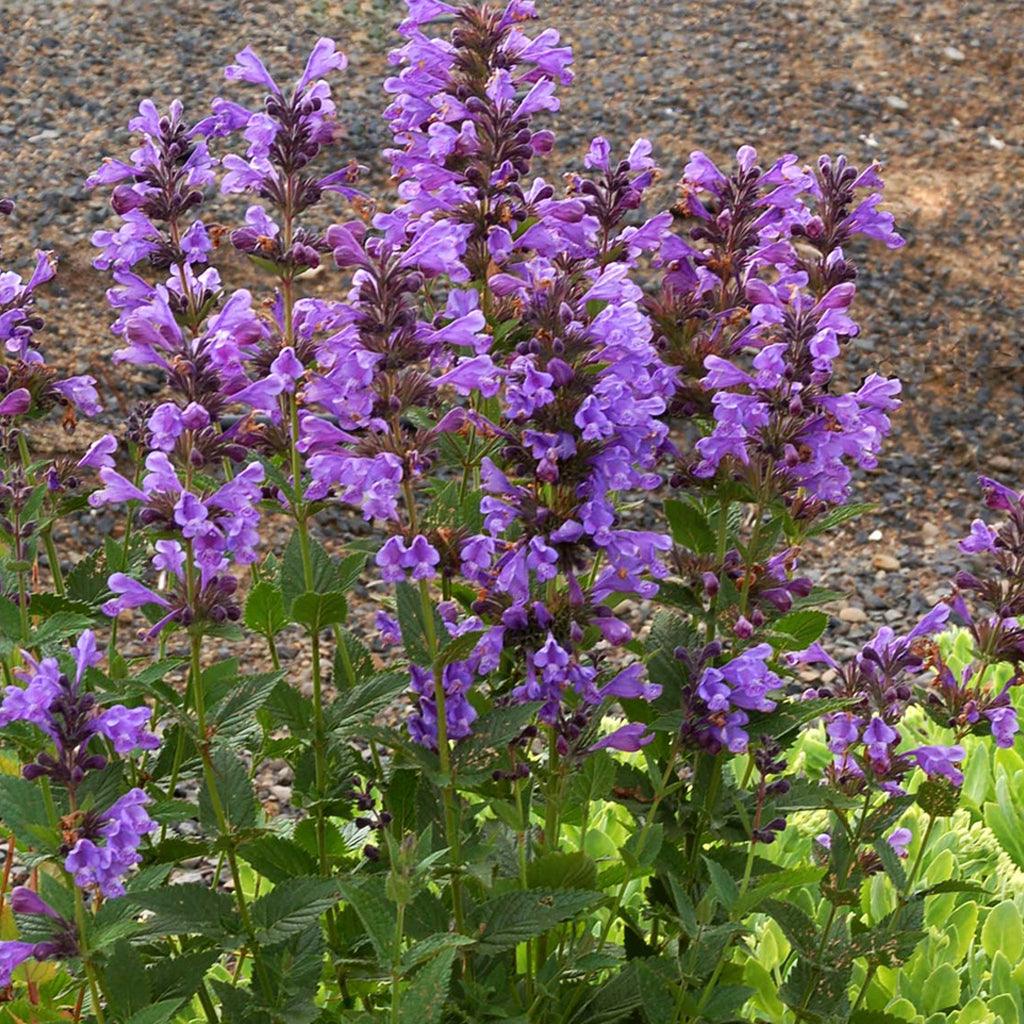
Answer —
316 611
938 797
190 909
325 575
689 526
838 516
357 667
363 702
236 713
293 905
562 869
797 630
722 884
278 858
423 1001
515 917
237 799
409 605
179 976
777 882
376 912
264 609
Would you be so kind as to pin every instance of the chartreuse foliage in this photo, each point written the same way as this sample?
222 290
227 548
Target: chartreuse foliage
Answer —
592 763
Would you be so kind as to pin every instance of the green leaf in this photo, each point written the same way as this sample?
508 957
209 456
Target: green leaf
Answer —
58 628
495 730
264 609
317 610
179 976
326 576
459 647
562 869
891 863
941 989
235 791
838 516
1003 930
23 811
236 713
428 948
127 985
349 570
158 1013
722 884
291 907
514 917
593 780
795 925
376 912
689 526
775 883
191 909
360 704
409 605
359 665
278 858
656 980
798 630
423 1001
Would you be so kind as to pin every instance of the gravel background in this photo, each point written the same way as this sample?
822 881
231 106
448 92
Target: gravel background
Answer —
933 89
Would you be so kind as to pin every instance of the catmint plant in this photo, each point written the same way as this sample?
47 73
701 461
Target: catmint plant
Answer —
585 752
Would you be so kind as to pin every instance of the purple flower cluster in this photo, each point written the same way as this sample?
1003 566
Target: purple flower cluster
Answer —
27 384
756 324
58 705
879 683
108 842
726 693
994 586
207 534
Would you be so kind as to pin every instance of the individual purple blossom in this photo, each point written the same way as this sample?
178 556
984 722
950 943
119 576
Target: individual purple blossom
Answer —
940 761
387 628
12 955
419 559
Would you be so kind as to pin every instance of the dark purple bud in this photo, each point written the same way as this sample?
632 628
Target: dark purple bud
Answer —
744 628
710 583
561 371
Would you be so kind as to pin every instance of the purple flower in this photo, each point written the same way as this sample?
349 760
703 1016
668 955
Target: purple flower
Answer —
627 738
388 628
940 760
12 956
899 840
126 728
982 538
130 594
15 403
1004 724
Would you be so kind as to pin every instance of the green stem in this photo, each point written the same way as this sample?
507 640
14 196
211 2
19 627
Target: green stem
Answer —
83 949
868 977
319 727
919 859
210 776
720 547
662 792
54 561
396 958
